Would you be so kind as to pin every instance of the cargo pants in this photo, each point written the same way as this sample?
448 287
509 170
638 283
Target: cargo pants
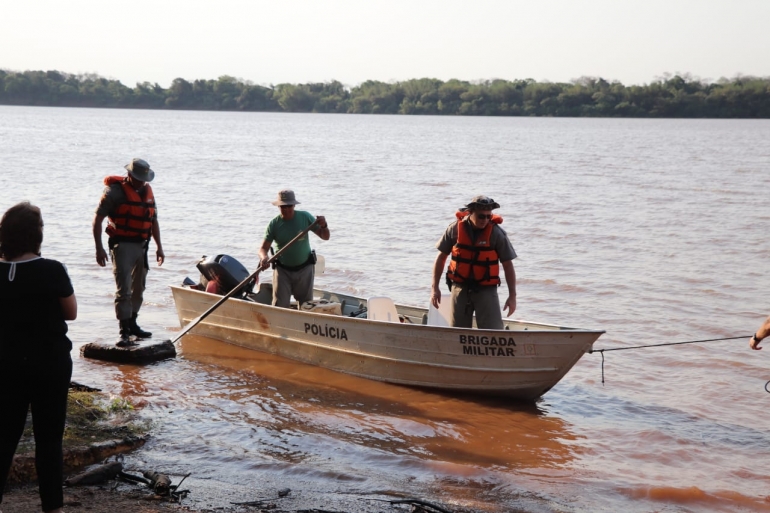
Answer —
129 265
483 300
297 283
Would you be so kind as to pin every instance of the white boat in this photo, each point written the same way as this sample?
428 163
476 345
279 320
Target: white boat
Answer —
395 343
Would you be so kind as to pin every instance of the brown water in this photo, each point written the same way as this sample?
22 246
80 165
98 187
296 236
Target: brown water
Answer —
653 230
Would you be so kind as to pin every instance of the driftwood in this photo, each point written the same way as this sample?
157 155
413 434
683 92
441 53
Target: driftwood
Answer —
96 475
161 486
420 506
133 479
23 466
144 352
160 483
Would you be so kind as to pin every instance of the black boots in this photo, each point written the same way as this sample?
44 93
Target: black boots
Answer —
129 328
136 330
125 334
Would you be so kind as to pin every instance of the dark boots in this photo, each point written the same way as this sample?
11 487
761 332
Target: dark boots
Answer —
125 334
128 328
136 330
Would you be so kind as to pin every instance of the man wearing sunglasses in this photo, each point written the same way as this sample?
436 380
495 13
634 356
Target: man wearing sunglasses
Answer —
293 272
478 248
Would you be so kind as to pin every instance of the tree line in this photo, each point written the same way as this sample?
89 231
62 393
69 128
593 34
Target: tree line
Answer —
674 96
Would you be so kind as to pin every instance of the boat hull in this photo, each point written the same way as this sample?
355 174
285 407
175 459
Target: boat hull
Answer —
519 363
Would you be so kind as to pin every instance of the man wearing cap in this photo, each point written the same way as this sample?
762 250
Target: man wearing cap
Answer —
294 272
129 205
478 247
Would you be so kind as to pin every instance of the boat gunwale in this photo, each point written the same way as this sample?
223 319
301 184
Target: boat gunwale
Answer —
402 325
422 310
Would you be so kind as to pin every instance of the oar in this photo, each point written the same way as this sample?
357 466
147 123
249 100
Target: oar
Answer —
242 284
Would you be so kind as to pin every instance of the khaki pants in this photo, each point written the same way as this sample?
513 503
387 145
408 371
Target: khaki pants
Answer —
129 265
483 301
297 283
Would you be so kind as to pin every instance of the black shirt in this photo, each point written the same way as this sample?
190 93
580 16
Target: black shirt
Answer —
32 322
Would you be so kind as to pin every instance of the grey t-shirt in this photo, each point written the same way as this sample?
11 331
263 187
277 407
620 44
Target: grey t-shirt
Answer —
498 241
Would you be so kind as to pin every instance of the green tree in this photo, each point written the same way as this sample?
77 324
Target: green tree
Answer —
180 94
669 96
295 98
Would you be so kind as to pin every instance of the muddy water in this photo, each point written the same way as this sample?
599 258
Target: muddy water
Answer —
652 230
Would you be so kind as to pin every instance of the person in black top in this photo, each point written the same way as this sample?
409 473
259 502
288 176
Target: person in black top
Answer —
36 298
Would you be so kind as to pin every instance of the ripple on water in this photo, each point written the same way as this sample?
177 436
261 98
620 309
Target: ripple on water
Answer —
632 226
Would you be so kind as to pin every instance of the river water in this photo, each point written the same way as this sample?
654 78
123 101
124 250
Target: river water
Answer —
653 230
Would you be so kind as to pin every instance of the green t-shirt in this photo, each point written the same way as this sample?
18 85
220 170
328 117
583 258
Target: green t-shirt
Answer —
281 231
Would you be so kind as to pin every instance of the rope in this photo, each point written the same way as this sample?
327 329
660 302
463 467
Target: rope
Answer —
666 344
591 351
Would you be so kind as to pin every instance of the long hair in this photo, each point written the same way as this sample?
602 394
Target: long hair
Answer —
21 231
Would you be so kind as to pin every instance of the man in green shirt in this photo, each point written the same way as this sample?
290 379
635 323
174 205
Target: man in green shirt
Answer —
293 272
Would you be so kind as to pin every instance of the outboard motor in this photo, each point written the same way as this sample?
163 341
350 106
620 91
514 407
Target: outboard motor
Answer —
228 271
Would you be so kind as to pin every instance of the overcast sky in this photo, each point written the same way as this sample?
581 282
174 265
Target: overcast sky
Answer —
298 41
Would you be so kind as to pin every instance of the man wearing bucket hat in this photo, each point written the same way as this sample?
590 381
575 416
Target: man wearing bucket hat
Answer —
293 272
478 247
129 204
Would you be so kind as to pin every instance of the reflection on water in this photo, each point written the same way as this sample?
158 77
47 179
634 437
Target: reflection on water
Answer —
245 419
234 416
394 419
131 384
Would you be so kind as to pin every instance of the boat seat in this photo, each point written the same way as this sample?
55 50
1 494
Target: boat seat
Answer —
264 294
441 316
381 308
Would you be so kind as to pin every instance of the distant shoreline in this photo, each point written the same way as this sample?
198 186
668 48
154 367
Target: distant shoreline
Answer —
672 97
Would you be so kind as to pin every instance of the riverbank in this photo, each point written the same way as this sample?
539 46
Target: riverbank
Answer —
101 426
98 426
25 498
113 496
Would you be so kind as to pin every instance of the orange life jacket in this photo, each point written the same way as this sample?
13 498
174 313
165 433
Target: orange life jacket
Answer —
133 218
474 263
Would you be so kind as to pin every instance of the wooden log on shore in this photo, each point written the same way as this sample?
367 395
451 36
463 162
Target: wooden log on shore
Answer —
23 466
143 352
96 475
160 483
